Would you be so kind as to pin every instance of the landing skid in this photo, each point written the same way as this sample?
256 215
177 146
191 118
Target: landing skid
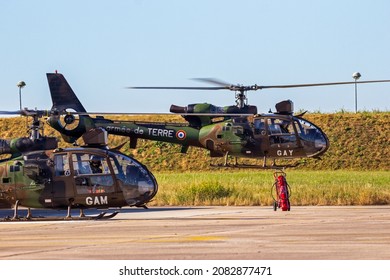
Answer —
101 216
235 164
256 166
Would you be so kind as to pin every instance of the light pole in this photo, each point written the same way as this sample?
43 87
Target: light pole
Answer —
356 77
20 85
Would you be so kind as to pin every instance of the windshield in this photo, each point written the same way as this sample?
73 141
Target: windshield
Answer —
314 140
137 183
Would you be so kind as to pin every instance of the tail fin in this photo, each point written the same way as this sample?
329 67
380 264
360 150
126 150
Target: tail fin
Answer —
62 94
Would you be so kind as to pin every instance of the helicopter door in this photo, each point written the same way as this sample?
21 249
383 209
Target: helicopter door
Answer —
261 136
282 138
83 179
62 181
93 180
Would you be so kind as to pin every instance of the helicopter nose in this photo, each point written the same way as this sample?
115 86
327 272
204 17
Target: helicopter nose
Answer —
317 145
139 190
146 189
322 144
313 139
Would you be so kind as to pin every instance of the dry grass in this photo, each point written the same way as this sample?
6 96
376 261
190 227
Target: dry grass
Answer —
357 141
255 188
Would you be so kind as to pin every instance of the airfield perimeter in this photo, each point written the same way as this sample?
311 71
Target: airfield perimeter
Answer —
202 233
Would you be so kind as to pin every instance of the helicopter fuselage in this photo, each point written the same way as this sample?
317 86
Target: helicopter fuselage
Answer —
65 177
275 136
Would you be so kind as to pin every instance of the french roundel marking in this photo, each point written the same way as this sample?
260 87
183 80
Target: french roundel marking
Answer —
181 135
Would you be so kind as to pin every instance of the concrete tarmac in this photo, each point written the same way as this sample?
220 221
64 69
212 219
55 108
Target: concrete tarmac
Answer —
207 233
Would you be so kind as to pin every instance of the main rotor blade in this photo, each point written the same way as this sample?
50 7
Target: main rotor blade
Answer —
242 88
213 81
157 114
27 112
187 88
48 113
10 112
322 84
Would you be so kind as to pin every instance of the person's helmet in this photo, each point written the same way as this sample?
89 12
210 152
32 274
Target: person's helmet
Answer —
95 160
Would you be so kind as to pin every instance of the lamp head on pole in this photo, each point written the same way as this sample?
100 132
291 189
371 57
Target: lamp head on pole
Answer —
21 84
356 76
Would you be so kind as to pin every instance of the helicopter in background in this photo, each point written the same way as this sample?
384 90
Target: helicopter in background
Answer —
38 174
238 130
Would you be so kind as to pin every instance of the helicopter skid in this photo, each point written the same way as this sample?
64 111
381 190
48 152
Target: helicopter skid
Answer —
101 216
257 166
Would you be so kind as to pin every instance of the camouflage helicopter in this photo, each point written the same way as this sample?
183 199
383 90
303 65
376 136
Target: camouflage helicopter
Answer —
238 131
38 174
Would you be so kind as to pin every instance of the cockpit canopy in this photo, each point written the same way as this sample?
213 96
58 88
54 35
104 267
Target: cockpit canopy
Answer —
292 133
106 172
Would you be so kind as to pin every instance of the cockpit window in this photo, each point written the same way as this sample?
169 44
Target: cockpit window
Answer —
127 169
61 165
84 163
92 174
310 133
281 131
260 126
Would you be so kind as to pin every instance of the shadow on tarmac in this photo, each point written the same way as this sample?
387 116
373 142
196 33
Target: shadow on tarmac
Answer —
47 213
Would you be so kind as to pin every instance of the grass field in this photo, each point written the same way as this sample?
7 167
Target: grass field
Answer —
252 187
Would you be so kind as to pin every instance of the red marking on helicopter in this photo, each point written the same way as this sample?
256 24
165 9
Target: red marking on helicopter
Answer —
181 135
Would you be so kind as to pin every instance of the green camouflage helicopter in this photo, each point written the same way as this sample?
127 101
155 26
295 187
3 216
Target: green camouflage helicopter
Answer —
38 174
237 131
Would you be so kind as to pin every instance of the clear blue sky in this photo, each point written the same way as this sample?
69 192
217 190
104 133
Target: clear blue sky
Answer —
103 46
